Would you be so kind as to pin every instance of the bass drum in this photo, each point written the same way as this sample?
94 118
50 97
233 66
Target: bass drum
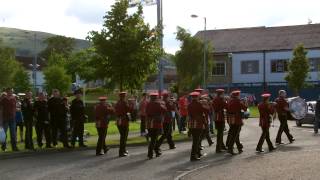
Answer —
298 108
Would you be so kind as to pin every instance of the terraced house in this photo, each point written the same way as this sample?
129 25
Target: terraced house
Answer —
256 59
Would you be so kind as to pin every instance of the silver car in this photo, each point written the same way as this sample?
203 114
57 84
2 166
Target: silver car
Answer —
310 116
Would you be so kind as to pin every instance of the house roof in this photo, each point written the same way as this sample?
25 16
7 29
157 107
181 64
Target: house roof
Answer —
28 61
263 38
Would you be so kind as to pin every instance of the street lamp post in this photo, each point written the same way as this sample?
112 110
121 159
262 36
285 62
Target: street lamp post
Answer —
204 50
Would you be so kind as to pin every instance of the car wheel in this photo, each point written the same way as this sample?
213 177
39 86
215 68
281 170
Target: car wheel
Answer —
298 123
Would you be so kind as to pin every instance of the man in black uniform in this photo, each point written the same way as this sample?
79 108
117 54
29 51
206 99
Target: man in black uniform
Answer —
78 118
57 118
42 124
27 112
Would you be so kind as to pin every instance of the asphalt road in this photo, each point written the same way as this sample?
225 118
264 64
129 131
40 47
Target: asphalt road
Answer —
299 160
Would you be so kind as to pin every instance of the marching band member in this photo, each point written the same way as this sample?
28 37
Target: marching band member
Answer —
266 111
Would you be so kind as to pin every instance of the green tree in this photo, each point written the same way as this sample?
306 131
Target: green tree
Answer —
8 66
58 44
21 80
56 78
298 69
189 60
127 50
55 74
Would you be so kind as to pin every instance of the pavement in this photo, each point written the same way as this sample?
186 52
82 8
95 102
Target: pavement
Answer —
299 160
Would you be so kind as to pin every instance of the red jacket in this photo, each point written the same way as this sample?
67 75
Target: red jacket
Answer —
234 108
142 107
102 111
155 114
219 104
282 106
265 110
197 112
183 106
9 108
168 115
122 109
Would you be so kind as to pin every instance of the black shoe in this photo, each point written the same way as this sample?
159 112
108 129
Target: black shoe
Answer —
224 148
218 151
272 149
67 147
194 159
173 147
99 154
240 151
231 152
123 155
259 150
48 146
158 154
150 157
210 143
292 140
279 142
16 149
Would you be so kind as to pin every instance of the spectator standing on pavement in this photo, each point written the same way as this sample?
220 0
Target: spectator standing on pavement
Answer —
78 117
42 117
317 116
19 121
58 115
142 113
9 103
27 112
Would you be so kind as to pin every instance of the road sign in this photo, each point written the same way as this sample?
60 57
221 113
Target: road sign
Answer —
133 3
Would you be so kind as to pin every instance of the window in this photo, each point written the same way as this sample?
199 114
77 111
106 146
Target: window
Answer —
219 69
250 67
279 65
314 64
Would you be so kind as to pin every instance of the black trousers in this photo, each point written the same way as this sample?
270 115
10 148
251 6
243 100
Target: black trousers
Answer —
143 124
183 120
283 128
196 137
43 129
28 122
101 143
206 134
153 134
123 130
265 136
220 129
167 134
78 130
59 125
235 137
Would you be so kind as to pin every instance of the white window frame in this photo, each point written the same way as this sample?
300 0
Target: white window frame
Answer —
225 69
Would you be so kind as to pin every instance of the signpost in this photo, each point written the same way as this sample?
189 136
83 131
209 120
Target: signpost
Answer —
134 3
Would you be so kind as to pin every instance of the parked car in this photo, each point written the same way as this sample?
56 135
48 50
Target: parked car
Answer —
310 116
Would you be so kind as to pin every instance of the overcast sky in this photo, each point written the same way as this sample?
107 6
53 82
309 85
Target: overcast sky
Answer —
75 18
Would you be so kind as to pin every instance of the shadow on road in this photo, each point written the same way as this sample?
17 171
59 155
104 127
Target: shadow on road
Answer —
130 165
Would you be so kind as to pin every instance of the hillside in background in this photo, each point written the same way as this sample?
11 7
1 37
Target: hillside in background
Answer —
24 41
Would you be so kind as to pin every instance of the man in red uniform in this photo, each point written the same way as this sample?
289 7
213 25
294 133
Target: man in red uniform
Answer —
219 104
142 113
205 101
197 123
266 112
122 111
183 111
234 108
282 108
167 123
102 113
155 111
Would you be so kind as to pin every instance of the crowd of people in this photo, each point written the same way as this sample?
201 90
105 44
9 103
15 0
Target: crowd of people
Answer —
49 117
196 113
